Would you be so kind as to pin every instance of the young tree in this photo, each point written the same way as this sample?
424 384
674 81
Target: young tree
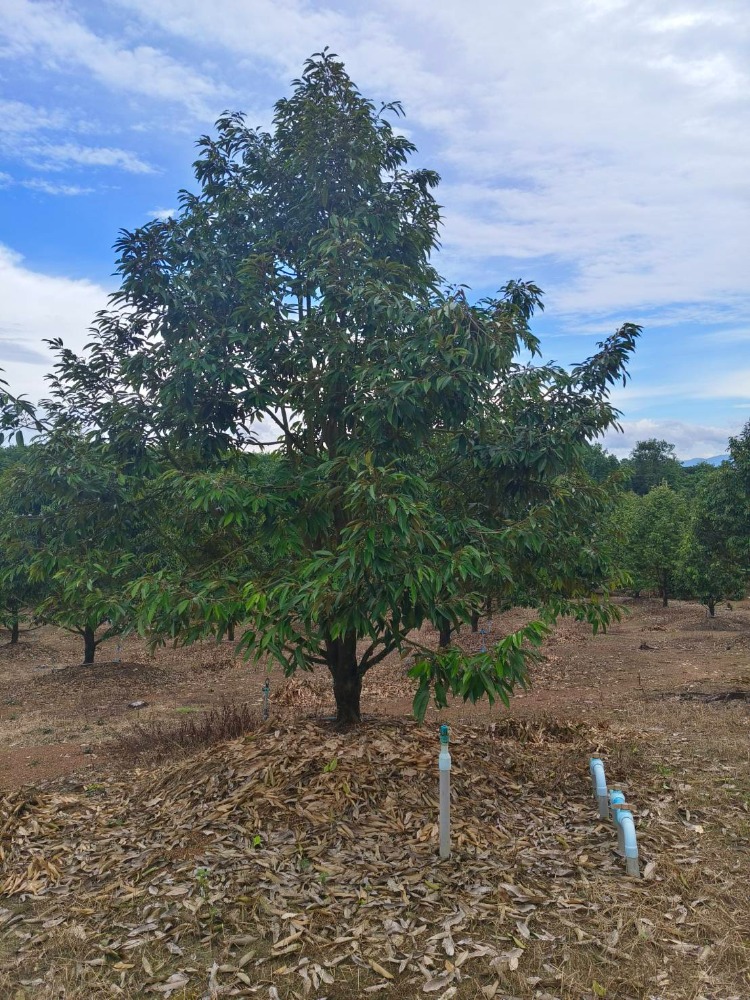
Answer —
293 303
661 531
715 556
74 532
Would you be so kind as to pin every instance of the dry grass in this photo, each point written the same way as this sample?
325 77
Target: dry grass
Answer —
158 738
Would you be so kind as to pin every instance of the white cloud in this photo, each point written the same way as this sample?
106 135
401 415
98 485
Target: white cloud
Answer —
50 187
714 382
23 129
690 440
38 306
162 213
59 155
19 118
50 33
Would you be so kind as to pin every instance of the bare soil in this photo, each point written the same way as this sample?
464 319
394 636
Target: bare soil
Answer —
57 716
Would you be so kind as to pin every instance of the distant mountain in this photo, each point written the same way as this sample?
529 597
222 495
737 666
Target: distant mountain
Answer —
716 460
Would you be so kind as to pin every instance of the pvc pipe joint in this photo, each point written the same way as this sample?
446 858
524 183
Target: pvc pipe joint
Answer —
627 844
599 786
444 758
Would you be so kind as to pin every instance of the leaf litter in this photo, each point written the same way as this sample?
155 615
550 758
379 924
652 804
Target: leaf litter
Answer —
256 868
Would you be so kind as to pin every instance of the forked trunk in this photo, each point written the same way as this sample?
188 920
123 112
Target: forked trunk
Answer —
712 608
347 680
89 645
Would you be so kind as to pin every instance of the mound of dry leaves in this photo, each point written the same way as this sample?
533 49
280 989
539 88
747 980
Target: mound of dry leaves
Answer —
302 862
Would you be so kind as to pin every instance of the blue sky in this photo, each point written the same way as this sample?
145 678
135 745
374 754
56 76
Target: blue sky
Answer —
598 147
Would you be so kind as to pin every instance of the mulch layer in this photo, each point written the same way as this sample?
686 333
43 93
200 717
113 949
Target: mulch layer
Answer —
302 862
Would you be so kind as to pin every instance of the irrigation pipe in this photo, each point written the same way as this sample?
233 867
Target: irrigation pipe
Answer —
444 767
627 845
612 806
599 786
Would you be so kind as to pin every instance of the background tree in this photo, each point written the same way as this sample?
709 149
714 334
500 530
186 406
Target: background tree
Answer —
626 530
717 550
74 528
652 463
738 500
18 594
661 529
598 463
293 302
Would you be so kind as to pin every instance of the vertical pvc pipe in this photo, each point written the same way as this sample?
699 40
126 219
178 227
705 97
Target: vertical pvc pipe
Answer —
599 785
627 844
444 766
615 798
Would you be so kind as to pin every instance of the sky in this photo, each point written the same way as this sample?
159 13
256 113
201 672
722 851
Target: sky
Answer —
597 147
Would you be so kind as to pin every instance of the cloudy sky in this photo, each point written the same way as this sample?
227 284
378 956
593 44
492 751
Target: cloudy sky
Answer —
598 147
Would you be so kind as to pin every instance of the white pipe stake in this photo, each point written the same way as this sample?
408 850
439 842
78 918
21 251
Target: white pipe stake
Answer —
444 766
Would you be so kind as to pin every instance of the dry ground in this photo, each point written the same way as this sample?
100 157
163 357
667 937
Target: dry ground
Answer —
298 862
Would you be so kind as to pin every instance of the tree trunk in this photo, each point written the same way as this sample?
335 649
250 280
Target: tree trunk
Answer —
488 606
230 631
14 630
89 645
475 622
445 634
347 680
712 608
664 593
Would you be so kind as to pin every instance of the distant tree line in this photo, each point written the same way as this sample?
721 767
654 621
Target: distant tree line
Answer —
681 531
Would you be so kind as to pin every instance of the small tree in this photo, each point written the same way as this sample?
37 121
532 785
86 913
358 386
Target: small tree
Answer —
715 566
73 532
661 530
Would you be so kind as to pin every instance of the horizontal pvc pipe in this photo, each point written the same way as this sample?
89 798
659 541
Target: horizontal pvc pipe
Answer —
627 844
599 785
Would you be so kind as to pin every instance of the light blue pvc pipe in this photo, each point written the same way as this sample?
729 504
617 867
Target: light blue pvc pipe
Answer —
599 786
627 845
